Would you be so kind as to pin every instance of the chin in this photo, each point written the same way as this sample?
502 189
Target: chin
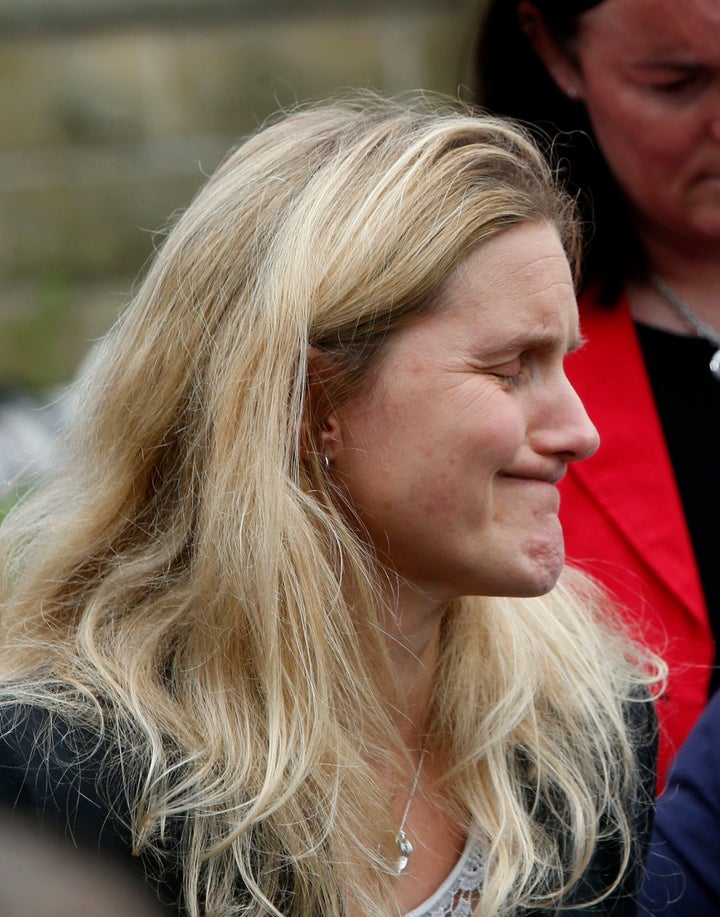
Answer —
544 584
527 580
522 570
542 572
531 585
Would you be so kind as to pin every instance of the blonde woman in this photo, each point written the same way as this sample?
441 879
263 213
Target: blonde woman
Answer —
286 625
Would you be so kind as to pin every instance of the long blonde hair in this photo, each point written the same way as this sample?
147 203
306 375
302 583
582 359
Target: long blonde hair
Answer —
181 582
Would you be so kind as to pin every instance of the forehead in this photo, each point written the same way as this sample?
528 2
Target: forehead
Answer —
516 286
661 26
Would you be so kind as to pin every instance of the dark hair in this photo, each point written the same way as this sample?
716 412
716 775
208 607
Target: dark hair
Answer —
510 79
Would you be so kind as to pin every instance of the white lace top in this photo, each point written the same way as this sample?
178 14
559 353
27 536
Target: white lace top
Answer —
458 895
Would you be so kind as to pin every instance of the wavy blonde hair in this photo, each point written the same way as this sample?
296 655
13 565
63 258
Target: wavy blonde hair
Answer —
182 581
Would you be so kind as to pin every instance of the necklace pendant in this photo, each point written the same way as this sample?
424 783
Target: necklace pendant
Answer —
715 364
405 848
701 328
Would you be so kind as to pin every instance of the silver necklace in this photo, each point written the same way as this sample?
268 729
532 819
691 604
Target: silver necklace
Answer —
701 328
404 845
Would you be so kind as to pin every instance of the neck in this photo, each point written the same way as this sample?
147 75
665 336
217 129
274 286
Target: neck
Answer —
692 271
676 255
413 636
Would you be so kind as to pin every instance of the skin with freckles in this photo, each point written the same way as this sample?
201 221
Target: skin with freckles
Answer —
451 456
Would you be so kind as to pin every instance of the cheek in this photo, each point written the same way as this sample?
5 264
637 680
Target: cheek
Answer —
618 136
639 138
472 462
460 486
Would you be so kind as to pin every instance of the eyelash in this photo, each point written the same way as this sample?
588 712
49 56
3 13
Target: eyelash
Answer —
675 86
510 380
678 86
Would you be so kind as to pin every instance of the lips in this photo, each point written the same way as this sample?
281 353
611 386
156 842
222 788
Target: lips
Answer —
550 477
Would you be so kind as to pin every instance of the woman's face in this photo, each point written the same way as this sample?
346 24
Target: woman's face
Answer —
451 455
648 72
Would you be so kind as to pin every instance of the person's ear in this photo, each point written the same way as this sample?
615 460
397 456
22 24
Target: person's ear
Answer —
320 431
558 62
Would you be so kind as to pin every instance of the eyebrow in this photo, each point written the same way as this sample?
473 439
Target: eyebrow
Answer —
538 341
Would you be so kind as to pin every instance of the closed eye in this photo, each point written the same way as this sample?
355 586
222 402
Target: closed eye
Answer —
510 374
675 86
676 79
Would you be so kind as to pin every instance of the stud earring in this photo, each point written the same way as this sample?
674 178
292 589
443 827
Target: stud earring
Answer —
572 92
326 463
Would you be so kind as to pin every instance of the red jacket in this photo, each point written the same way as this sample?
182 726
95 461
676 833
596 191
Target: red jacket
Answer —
623 519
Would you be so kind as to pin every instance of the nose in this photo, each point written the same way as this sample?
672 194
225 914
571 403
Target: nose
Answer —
565 429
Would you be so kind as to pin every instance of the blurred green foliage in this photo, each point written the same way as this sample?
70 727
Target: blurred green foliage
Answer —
39 341
51 324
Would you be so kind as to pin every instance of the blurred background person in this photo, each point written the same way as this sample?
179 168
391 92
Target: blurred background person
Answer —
683 868
628 95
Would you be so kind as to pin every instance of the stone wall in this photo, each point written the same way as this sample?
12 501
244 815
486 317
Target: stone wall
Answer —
112 112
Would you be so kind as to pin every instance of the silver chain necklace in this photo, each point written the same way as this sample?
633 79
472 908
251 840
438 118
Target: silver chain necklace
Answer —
701 328
404 845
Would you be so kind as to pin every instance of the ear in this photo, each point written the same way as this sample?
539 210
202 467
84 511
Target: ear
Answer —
320 430
558 62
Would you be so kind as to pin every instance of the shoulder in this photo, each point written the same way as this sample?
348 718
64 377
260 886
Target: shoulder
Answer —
608 860
590 895
609 368
58 772
694 782
702 750
61 779
641 718
606 326
682 867
66 778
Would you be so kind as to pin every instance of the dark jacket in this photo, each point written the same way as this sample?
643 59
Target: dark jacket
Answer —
61 778
683 874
